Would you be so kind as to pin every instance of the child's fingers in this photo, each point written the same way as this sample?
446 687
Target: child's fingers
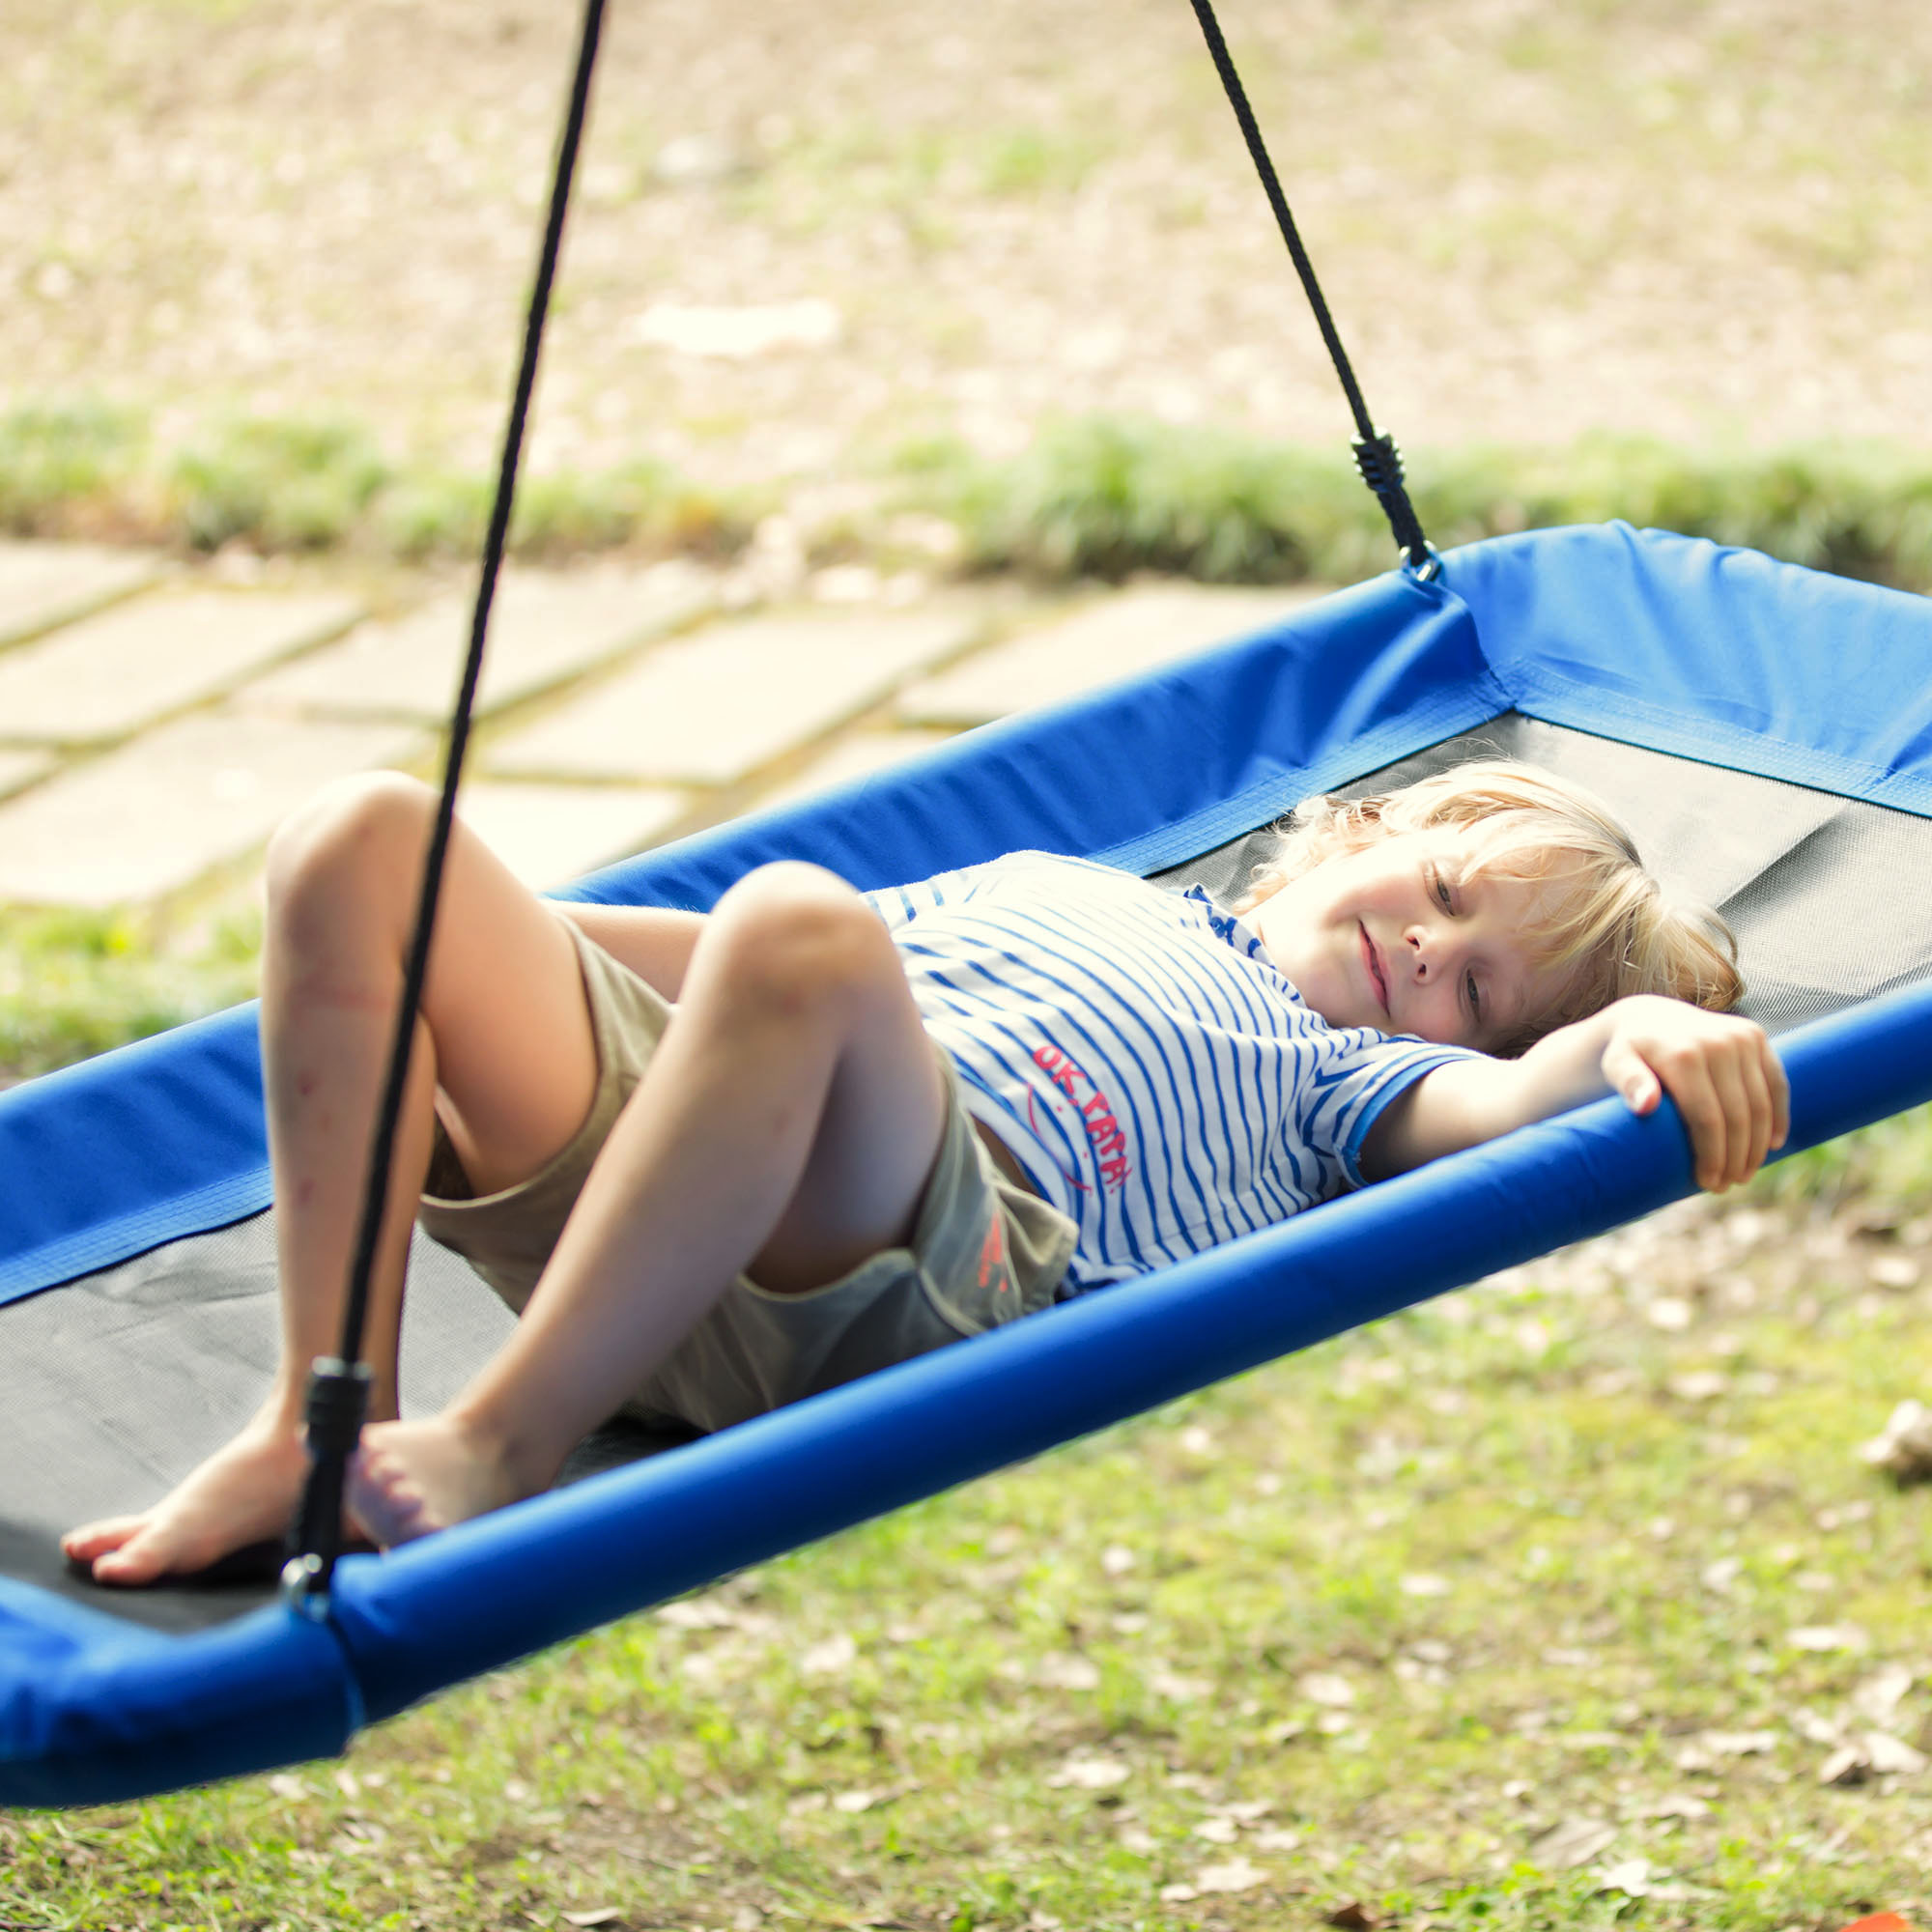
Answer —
1632 1077
1705 1117
1746 1115
1766 1109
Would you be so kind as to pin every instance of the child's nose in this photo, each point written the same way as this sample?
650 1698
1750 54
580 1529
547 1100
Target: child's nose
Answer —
1427 952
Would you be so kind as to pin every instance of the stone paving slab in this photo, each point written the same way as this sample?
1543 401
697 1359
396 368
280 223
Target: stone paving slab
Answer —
549 835
42 585
545 627
131 666
1124 634
155 816
20 769
710 708
861 756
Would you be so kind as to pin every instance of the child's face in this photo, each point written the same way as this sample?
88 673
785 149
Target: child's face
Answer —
1405 936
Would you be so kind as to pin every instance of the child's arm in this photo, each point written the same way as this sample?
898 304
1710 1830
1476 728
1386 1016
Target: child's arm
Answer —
1719 1069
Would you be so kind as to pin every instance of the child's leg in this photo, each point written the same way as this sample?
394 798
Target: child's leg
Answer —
504 1034
787 1126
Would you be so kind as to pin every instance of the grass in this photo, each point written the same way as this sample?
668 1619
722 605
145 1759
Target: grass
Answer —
73 984
1108 496
1095 497
310 485
1367 1626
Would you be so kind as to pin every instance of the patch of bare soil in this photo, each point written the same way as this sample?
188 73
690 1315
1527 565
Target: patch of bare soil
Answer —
804 234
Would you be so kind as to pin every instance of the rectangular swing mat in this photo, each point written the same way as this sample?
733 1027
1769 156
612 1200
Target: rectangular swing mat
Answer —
115 1385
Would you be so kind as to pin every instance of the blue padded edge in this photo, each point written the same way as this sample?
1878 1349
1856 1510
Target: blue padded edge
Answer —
489 1591
75 1200
1716 654
94 1709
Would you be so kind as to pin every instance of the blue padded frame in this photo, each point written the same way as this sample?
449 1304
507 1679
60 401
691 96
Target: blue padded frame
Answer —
1678 645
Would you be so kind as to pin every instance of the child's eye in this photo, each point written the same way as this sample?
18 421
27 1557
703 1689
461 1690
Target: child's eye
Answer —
1475 997
1440 880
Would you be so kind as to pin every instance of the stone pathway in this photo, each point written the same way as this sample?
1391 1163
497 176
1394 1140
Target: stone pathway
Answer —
154 722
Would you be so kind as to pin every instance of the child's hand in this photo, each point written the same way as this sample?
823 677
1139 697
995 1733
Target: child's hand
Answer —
1719 1069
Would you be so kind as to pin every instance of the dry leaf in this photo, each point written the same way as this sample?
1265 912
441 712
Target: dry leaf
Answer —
1236 1875
1668 1312
855 1801
1631 1878
1827 1637
1903 1449
1572 1842
1354 1916
1090 1773
1278 1838
1424 1586
1699 1385
1217 1831
1176 1689
1177 1894
1246 1809
1882 1693
1846 1766
1893 1755
1116 1560
1197 1441
832 1654
602 1915
1815 1729
1061 1670
1722 1575
1325 1687
1738 1744
283 1785
1682 1805
694 1613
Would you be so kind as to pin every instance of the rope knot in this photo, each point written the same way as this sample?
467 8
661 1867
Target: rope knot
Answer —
1380 461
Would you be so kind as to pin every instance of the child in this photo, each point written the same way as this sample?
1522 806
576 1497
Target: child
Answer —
718 1162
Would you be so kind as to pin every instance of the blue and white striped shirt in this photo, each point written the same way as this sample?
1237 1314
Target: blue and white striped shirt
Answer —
1151 1070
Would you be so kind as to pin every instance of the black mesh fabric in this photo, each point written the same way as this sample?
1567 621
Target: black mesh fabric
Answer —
114 1386
117 1385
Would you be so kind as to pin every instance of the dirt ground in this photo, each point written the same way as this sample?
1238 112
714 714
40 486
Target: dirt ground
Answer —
806 234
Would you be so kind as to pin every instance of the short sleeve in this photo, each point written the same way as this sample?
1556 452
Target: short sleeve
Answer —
1358 1073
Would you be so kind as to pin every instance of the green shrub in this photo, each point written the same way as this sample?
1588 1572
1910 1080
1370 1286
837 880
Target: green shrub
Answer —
283 483
1105 497
63 463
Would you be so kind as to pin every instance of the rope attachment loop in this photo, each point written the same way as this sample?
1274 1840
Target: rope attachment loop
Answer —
1380 461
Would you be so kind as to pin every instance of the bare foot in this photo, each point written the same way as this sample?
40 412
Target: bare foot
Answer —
244 1493
409 1479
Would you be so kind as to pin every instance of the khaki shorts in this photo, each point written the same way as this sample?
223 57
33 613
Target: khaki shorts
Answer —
984 1250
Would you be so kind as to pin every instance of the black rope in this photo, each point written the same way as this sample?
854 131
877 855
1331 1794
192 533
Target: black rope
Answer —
1376 454
338 1384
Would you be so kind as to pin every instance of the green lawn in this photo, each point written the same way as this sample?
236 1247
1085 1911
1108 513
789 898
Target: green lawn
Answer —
1544 1606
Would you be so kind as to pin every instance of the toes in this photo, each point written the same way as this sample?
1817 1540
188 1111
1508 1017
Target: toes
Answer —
96 1539
139 1560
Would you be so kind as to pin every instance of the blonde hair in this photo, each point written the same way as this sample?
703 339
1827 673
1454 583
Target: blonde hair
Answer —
1608 917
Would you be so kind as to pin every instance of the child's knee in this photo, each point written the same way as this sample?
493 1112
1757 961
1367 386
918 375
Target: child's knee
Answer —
793 936
357 834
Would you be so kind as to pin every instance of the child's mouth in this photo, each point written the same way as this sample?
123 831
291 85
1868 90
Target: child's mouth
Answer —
1374 961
